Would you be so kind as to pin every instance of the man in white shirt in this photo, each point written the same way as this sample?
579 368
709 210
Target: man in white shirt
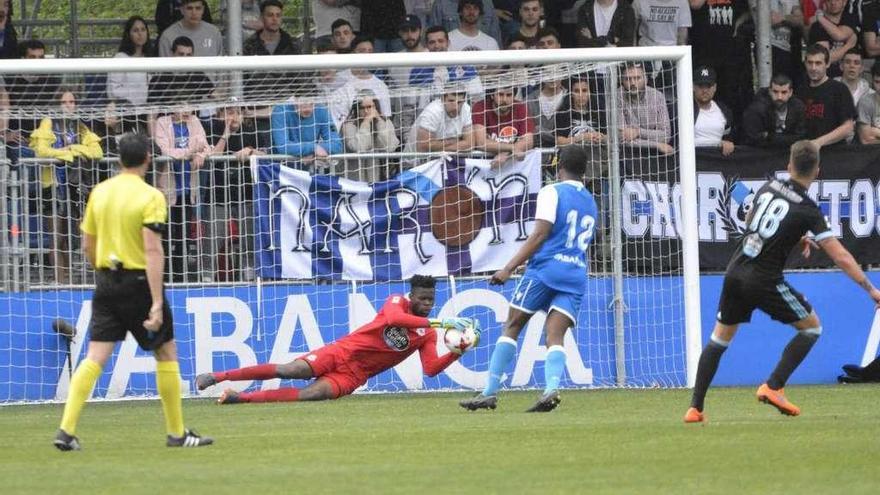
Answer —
468 37
445 125
712 120
206 38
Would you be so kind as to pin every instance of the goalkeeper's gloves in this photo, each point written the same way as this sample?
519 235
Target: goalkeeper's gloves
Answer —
456 323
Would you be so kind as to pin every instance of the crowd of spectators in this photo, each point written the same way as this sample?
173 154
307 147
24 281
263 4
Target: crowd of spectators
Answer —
825 93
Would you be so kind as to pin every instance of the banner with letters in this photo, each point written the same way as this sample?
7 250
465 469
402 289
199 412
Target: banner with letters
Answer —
847 192
447 216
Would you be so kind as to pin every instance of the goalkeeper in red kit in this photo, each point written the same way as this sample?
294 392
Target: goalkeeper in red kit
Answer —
398 330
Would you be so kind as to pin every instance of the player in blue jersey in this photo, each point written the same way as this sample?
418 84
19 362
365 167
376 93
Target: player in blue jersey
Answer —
554 280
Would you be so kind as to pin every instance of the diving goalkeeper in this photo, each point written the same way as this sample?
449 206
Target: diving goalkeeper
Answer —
399 329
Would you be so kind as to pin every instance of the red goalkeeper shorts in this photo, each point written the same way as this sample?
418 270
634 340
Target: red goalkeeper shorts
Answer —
331 363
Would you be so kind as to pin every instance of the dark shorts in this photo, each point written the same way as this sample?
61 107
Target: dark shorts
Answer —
331 363
742 295
121 304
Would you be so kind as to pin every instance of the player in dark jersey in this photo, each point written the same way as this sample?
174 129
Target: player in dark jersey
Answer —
781 215
399 329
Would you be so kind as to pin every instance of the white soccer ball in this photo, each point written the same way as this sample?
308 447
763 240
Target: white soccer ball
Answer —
460 341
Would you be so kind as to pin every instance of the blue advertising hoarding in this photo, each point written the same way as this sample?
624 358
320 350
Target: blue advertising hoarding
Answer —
226 327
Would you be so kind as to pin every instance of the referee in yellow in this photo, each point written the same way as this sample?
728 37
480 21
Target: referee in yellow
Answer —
122 239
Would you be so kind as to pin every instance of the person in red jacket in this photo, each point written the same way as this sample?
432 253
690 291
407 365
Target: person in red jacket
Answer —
399 329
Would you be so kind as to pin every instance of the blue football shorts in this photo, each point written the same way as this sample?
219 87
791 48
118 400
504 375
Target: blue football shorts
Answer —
532 295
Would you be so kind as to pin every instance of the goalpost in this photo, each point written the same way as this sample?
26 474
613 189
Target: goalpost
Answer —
275 253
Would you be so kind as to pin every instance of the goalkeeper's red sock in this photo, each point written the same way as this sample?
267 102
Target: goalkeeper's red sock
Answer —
258 372
279 395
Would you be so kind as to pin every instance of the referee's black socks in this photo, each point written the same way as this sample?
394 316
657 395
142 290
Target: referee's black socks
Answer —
708 365
795 352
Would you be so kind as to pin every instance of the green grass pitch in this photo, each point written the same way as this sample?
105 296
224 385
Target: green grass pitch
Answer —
598 441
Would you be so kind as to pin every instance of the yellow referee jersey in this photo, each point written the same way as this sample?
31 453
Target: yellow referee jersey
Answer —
117 210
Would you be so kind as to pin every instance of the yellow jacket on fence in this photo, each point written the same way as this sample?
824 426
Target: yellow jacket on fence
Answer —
47 141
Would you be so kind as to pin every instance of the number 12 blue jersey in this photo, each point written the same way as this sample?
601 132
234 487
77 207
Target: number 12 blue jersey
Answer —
561 261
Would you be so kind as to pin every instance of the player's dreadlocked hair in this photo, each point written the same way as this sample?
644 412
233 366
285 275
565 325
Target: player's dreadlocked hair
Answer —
425 281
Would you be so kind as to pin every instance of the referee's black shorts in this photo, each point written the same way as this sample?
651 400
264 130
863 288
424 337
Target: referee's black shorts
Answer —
741 295
121 304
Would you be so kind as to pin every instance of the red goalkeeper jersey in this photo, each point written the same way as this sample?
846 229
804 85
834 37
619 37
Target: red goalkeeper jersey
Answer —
392 336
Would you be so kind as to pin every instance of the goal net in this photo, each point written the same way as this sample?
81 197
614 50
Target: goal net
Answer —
305 190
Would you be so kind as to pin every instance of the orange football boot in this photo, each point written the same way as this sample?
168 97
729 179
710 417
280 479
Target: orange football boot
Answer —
776 398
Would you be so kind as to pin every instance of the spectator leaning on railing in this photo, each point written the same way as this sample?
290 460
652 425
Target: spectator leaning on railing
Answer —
830 110
67 139
367 131
305 131
181 137
775 117
713 121
644 117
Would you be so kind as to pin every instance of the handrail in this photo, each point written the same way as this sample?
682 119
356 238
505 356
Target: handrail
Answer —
338 156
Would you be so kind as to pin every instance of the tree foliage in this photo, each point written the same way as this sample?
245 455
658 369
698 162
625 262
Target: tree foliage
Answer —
102 39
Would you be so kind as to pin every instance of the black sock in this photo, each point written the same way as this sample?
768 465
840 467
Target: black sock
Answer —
872 370
709 359
795 352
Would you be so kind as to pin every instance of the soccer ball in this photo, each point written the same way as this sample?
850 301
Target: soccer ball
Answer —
460 341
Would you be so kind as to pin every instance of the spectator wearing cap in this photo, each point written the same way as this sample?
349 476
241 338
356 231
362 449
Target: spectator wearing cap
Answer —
468 36
446 13
713 122
410 32
379 21
405 103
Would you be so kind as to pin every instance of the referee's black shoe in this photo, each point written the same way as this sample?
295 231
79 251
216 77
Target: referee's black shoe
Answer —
189 439
65 442
547 402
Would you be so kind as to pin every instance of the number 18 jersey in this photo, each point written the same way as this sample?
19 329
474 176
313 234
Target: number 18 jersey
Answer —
781 214
561 261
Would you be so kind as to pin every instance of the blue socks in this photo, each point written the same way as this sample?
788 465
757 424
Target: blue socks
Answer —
554 365
502 355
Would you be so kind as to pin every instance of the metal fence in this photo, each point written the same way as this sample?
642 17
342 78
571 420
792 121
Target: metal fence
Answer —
209 237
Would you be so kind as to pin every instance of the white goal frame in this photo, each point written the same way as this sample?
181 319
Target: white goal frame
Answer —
679 56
